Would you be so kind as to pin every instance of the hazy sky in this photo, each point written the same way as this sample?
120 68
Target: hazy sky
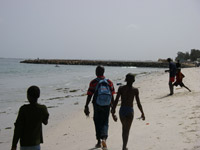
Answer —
98 29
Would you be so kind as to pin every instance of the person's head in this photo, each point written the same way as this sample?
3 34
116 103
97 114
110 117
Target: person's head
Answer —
169 59
33 93
178 69
100 70
130 78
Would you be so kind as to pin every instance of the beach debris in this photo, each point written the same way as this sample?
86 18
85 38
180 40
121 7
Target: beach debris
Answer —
60 103
144 73
75 90
68 96
63 97
8 128
52 106
84 94
3 112
76 103
65 90
147 123
55 98
119 84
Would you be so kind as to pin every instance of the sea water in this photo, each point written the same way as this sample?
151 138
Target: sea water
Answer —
55 82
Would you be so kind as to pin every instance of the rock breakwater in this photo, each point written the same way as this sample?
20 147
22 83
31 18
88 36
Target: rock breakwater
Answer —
99 62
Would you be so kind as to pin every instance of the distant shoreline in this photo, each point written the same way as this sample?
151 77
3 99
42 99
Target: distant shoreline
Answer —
152 64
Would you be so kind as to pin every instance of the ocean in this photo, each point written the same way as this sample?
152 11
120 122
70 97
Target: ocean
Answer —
55 82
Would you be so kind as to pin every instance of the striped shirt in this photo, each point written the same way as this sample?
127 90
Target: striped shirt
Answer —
93 84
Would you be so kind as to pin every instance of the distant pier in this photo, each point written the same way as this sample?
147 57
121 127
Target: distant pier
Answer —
100 62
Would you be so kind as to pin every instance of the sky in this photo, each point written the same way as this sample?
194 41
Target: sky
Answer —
98 29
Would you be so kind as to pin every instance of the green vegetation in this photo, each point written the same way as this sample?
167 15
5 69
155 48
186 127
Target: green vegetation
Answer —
194 55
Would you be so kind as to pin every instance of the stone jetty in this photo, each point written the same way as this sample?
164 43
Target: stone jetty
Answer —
100 62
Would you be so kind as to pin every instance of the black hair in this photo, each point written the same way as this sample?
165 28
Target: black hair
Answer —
33 92
100 70
169 59
130 77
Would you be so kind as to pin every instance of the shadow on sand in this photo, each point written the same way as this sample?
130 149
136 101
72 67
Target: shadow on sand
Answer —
168 95
94 148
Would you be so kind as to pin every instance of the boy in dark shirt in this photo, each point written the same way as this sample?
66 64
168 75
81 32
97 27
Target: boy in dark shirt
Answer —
28 126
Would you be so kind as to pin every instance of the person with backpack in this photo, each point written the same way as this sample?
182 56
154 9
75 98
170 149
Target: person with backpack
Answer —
101 90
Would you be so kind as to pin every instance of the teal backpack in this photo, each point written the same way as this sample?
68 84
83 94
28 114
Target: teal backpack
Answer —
103 93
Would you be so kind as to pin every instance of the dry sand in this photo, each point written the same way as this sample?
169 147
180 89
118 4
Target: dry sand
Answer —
172 122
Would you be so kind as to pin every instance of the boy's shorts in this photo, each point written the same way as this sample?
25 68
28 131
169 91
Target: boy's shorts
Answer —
179 83
37 147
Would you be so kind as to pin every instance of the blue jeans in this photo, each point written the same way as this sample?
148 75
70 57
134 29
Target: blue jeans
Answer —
101 117
37 147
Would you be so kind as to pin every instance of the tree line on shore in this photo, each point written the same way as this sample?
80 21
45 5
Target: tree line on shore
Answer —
193 55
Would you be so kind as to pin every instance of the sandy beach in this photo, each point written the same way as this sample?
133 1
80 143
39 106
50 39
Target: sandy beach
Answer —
172 122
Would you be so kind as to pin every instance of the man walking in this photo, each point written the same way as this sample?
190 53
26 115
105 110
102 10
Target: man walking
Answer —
172 74
102 91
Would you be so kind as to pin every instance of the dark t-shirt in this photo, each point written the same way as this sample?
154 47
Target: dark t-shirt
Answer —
28 126
172 69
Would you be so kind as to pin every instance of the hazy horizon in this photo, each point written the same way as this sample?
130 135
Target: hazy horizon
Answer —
98 30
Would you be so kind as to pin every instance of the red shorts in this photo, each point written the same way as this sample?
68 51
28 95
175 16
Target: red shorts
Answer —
172 79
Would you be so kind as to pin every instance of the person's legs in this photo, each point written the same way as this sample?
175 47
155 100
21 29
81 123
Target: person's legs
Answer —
97 125
104 121
171 88
187 88
101 119
183 85
126 125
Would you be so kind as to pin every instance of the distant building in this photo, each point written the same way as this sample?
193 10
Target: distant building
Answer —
162 60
